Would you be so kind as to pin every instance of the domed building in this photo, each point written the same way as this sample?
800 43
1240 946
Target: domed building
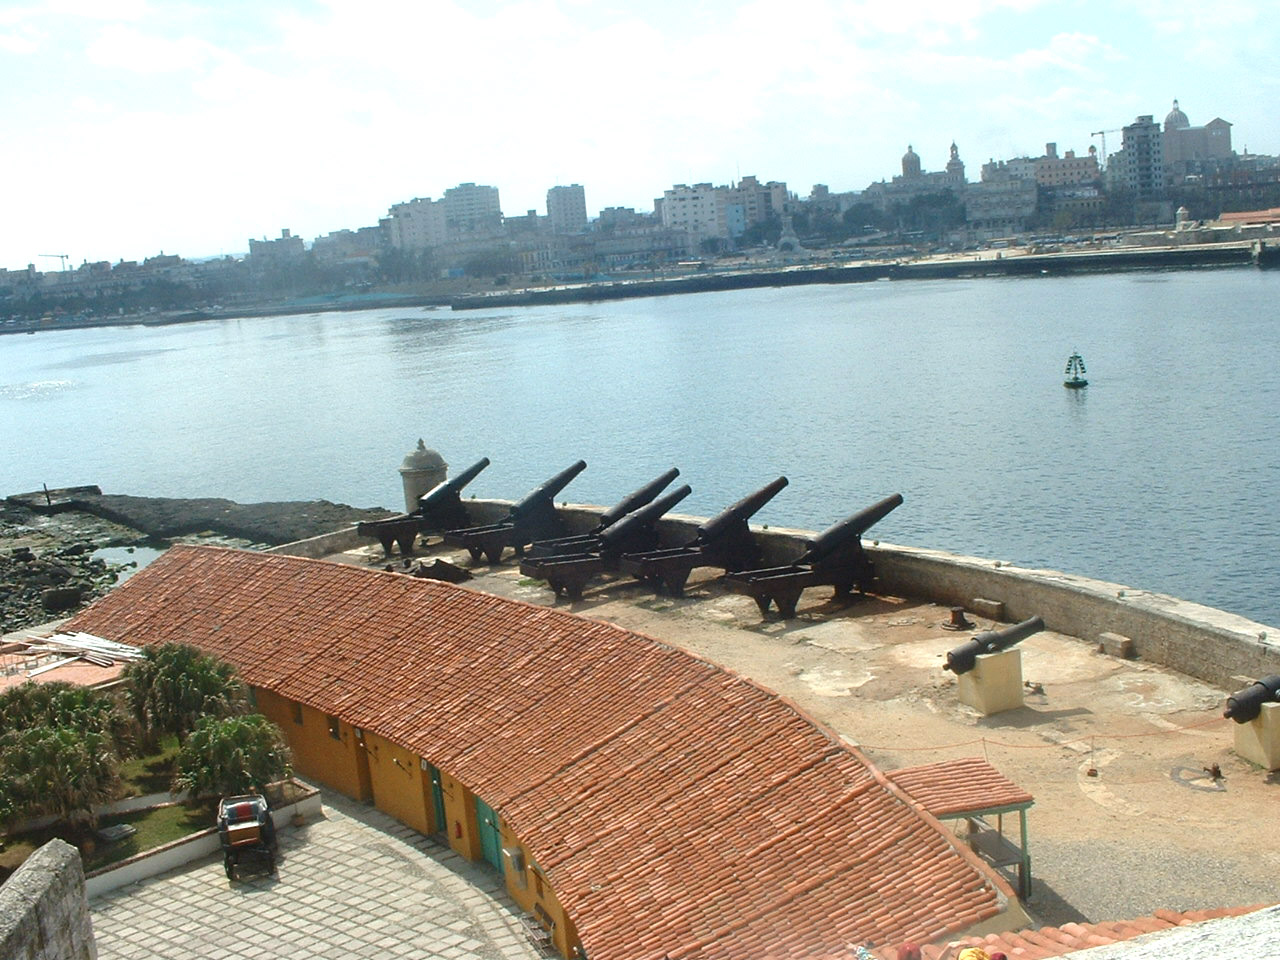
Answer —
1191 150
915 181
910 164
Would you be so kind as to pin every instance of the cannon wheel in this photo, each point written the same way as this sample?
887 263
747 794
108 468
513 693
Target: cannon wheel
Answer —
493 554
229 864
476 553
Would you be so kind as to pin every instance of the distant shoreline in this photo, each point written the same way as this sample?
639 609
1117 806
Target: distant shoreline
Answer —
1219 255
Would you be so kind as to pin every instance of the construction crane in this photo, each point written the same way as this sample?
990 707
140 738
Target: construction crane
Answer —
57 256
1103 134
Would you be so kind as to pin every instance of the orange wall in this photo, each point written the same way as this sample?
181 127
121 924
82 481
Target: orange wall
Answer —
400 787
460 812
530 890
334 762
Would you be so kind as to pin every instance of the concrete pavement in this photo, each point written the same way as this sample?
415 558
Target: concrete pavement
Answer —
354 884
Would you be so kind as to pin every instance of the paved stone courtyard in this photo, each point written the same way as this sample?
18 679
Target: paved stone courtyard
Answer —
353 884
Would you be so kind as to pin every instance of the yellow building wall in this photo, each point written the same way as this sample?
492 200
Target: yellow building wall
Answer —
460 813
530 890
337 762
400 787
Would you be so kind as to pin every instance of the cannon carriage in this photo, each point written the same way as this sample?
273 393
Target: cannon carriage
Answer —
533 517
835 557
570 573
724 541
439 509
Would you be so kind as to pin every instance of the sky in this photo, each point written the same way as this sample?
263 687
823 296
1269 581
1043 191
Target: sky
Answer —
135 127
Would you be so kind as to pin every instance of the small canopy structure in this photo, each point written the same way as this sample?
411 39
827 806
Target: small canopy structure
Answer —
973 790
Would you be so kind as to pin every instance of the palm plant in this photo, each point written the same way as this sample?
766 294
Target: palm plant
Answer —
232 755
61 771
66 705
172 686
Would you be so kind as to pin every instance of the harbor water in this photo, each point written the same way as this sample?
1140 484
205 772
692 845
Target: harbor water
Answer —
1162 474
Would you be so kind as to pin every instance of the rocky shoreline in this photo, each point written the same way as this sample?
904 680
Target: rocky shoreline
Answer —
48 540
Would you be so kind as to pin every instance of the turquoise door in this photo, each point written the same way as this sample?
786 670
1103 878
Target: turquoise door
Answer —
490 832
437 799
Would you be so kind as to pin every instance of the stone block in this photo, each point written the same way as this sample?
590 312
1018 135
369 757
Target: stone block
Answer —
990 609
994 685
1115 645
1259 739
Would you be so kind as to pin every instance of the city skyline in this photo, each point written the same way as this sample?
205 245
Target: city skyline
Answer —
133 128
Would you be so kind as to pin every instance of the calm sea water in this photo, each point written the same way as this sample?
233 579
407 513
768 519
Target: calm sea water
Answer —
1163 474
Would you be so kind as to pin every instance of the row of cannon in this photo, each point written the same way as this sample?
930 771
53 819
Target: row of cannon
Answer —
625 539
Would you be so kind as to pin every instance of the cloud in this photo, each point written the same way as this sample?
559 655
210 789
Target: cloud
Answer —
129 49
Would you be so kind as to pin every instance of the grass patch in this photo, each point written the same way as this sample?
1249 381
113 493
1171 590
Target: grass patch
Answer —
141 776
155 828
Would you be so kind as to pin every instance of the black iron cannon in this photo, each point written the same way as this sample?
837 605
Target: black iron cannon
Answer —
570 573
1245 705
439 509
589 541
532 517
963 658
724 541
834 557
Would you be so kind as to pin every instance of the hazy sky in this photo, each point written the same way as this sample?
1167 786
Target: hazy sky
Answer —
132 127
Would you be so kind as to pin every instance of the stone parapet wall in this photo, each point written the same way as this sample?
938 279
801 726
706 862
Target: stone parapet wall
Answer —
43 911
1202 642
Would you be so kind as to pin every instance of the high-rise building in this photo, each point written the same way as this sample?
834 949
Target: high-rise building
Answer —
472 209
1139 166
567 209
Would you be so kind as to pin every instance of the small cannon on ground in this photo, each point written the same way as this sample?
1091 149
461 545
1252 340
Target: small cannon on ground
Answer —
439 509
1245 705
531 518
569 573
724 541
590 541
962 658
834 557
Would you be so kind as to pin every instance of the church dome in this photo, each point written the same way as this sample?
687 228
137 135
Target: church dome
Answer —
910 163
1176 120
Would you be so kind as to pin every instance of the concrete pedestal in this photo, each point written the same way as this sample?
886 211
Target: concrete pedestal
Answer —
994 684
1259 739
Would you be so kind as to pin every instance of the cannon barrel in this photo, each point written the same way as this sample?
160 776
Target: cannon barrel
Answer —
832 538
637 499
741 511
1245 705
547 490
617 533
961 659
445 489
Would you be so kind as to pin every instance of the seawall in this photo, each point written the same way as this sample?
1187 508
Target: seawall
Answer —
1055 264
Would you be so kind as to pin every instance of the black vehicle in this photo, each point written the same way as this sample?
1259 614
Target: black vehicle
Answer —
247 833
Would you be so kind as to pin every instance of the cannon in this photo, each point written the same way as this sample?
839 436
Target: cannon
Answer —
589 541
724 541
835 557
439 509
1245 705
569 573
532 517
962 658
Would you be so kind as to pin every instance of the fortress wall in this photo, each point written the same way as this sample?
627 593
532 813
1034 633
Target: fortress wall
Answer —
43 911
1202 642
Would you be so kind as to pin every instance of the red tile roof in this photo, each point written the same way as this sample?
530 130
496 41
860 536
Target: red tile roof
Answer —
1048 942
956 787
677 809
